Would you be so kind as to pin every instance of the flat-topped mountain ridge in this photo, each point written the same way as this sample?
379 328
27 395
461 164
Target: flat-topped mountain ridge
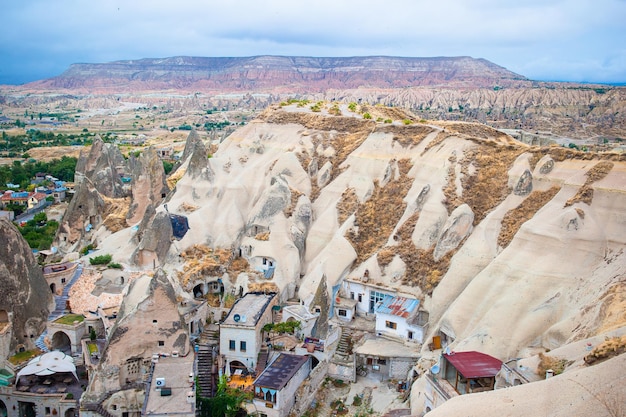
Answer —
276 72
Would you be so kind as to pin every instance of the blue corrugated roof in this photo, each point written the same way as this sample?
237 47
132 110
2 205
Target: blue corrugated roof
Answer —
397 306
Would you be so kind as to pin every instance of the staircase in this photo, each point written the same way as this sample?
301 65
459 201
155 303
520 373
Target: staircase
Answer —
344 347
60 301
208 342
205 377
261 362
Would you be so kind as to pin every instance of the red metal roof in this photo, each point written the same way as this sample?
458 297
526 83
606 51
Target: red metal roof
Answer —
474 364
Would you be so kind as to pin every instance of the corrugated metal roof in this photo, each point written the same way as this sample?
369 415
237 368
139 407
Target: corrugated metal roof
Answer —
397 306
279 372
474 364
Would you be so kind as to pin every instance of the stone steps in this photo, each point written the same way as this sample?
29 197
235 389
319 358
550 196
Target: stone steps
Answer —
60 301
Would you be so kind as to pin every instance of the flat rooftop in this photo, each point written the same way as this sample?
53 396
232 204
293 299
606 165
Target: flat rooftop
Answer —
386 348
176 373
248 310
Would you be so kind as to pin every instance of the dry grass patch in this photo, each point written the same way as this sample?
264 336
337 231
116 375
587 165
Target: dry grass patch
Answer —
613 307
263 287
407 136
514 218
175 177
343 145
188 208
609 348
441 136
585 193
316 121
348 204
488 187
393 113
451 198
295 195
385 256
202 261
115 210
377 217
237 265
265 236
558 365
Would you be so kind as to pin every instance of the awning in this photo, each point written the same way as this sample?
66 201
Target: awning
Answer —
474 364
48 364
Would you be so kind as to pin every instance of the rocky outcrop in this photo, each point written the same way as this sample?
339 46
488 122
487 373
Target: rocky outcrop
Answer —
84 213
148 186
155 239
99 194
104 166
25 298
148 321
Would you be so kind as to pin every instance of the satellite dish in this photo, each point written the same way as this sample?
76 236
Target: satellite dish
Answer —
237 317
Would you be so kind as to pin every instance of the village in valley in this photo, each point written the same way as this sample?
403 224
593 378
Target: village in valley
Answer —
307 261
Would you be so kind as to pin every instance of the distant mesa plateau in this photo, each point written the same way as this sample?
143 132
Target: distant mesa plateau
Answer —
441 88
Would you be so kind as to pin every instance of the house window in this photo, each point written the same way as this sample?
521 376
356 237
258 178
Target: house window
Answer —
370 361
360 297
391 325
242 346
352 295
161 343
231 345
154 321
47 410
62 280
410 335
342 312
382 361
375 297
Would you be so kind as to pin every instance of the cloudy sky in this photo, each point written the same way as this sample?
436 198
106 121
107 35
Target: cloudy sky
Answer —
564 40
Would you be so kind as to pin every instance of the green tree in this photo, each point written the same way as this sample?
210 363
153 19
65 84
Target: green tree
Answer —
40 217
167 167
18 173
226 402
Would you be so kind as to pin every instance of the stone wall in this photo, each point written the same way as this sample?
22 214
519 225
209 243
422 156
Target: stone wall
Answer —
306 393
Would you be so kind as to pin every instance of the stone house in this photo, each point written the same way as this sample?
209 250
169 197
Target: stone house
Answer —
241 334
390 359
275 388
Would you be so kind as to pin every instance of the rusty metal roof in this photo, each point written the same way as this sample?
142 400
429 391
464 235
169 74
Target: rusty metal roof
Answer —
397 306
474 364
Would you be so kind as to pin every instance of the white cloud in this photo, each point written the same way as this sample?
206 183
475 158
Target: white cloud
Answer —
573 39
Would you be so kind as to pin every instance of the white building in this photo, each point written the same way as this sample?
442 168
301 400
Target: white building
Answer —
240 332
298 312
400 317
366 294
275 388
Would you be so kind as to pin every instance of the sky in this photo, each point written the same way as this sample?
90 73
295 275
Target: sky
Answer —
548 40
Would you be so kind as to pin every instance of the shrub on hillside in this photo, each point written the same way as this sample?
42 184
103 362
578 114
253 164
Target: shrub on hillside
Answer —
101 260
